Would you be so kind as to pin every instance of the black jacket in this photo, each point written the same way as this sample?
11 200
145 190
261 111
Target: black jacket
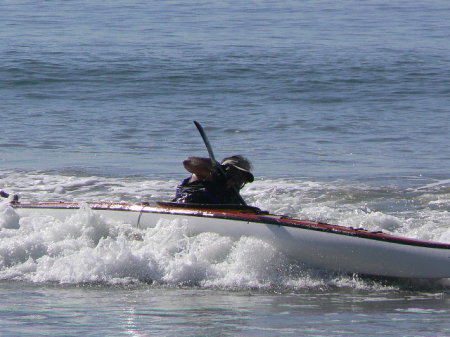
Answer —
206 192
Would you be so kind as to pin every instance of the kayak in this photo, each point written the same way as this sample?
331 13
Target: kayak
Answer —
319 245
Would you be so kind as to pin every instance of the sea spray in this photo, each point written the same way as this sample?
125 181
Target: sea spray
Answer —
8 218
88 248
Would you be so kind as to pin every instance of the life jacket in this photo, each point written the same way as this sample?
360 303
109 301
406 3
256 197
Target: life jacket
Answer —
206 192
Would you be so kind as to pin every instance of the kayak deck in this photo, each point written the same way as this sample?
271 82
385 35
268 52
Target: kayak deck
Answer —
239 213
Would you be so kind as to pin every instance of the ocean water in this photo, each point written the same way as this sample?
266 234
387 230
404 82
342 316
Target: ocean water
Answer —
342 107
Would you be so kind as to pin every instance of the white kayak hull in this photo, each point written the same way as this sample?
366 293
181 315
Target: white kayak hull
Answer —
319 245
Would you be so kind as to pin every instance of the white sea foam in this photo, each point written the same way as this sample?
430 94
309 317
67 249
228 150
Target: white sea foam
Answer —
87 248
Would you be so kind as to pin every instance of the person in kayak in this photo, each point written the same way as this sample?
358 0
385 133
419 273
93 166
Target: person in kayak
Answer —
3 194
210 185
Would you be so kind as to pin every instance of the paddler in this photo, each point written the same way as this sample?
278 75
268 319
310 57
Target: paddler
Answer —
208 184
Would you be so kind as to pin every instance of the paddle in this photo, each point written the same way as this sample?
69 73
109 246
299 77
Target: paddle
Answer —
208 146
213 158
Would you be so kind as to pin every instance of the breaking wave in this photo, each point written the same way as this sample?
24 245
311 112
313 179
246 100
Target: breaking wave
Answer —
89 248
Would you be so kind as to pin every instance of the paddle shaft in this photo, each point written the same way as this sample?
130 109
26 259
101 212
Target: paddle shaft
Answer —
213 158
208 145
